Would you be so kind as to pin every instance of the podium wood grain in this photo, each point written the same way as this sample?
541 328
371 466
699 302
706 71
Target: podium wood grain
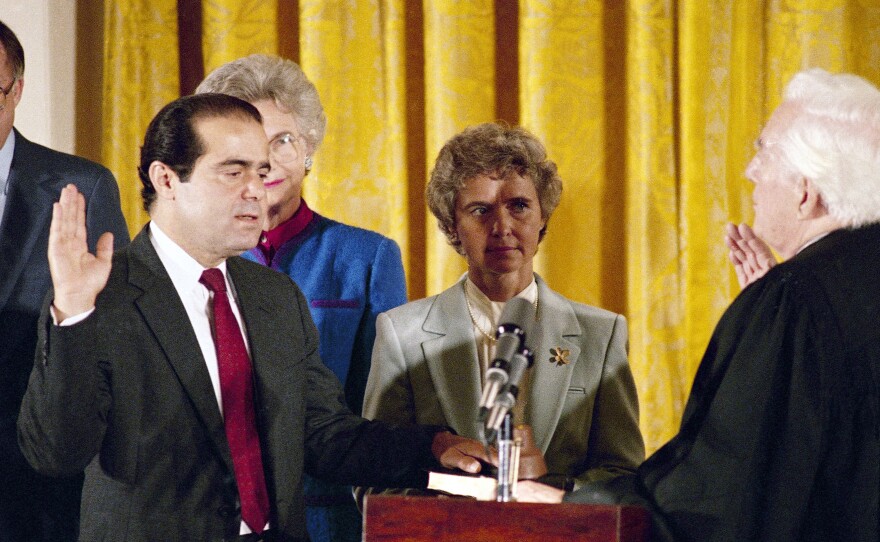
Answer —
393 518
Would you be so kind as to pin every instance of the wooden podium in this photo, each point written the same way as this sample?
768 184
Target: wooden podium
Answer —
393 518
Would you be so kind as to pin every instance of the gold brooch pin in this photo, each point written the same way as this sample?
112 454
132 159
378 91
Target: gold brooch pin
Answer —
560 356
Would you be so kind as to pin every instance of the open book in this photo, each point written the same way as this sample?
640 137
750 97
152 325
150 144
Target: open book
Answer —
482 488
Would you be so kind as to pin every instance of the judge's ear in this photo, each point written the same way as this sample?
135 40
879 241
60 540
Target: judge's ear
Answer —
164 179
811 204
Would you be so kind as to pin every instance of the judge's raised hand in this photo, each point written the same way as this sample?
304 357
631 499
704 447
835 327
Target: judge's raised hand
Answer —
77 275
749 254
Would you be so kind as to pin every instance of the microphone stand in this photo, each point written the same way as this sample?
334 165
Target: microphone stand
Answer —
504 491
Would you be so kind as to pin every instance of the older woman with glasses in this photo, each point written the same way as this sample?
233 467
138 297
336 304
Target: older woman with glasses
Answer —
349 275
493 191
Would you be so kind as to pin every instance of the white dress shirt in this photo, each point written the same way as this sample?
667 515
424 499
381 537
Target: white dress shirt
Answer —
484 316
185 272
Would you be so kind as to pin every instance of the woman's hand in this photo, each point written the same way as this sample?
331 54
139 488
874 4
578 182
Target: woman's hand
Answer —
531 461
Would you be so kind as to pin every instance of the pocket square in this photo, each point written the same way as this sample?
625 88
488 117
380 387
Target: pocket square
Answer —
335 304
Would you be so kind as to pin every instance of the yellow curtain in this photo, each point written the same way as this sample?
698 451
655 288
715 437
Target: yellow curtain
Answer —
563 102
237 28
354 52
650 108
652 243
459 91
140 76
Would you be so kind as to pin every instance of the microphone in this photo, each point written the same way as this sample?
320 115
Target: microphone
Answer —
506 398
511 336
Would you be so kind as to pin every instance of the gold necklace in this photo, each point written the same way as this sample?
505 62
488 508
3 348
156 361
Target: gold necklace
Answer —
467 300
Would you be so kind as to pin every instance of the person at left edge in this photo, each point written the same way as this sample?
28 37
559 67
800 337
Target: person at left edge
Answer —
34 507
348 275
126 382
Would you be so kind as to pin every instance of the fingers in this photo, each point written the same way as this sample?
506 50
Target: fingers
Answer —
750 255
529 491
72 208
741 277
462 462
745 232
69 216
104 248
731 234
761 250
455 452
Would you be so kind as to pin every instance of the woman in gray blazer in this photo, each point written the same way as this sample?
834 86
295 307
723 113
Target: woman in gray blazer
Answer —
493 190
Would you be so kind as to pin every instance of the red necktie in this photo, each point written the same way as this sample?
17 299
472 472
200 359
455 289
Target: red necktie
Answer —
237 394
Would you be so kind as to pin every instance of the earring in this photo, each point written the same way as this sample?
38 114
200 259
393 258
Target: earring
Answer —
308 163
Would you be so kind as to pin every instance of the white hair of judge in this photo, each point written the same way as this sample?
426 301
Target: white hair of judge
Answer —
834 141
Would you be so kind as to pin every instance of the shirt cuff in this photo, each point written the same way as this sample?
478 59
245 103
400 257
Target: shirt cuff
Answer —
70 320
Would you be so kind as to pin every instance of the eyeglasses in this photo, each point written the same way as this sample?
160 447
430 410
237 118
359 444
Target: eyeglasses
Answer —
283 148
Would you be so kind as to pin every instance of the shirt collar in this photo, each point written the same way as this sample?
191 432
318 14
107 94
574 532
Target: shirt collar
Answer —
811 241
183 269
273 239
489 310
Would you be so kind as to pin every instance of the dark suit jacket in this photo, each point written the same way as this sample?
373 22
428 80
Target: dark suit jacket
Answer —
780 438
127 392
36 178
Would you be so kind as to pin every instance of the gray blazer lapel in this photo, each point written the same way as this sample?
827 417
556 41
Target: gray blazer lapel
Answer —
166 317
452 360
557 327
30 195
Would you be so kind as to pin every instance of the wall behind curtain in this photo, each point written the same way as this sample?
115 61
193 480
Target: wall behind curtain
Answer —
649 107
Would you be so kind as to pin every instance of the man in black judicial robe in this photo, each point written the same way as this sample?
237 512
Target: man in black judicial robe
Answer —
780 437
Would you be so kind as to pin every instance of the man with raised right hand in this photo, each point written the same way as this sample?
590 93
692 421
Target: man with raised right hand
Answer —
187 379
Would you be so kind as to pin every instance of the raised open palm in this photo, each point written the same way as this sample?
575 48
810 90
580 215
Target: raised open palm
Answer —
78 276
749 254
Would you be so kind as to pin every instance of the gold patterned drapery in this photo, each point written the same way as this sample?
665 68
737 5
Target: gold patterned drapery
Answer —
649 107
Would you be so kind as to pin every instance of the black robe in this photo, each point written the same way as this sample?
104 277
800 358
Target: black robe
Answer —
779 439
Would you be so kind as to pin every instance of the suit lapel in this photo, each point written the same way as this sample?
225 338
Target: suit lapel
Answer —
31 192
452 360
557 327
166 317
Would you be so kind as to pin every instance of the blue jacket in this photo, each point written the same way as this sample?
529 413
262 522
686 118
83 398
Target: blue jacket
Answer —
349 275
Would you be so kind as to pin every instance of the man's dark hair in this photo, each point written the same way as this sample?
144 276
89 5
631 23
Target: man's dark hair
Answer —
14 51
172 139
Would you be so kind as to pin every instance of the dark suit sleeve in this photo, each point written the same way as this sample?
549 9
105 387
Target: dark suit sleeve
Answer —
63 415
344 448
103 212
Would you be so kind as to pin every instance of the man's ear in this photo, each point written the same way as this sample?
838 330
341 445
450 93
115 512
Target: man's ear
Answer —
17 90
164 179
811 204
